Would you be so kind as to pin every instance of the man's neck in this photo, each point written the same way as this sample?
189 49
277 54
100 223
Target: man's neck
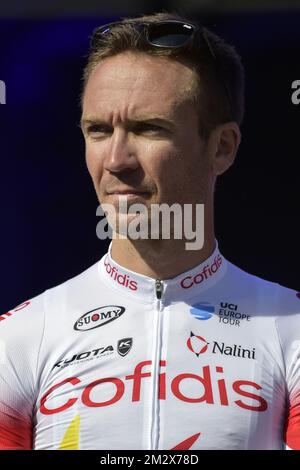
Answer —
159 259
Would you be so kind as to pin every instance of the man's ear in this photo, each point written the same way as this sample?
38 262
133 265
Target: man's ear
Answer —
224 143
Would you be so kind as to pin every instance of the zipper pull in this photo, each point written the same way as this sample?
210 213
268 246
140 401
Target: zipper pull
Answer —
158 288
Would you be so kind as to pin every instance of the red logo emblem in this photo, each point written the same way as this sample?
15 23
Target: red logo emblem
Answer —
197 344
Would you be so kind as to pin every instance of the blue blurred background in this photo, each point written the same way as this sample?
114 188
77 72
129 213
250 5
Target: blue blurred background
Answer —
48 206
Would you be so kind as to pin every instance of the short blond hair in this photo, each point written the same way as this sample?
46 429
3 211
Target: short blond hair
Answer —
210 97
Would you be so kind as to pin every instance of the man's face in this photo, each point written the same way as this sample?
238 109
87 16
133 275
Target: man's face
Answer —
141 132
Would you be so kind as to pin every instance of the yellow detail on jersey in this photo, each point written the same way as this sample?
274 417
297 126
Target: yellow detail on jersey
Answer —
71 438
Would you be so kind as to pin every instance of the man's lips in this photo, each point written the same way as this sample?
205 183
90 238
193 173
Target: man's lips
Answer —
127 191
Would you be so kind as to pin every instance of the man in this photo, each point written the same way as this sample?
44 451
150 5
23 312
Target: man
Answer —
155 346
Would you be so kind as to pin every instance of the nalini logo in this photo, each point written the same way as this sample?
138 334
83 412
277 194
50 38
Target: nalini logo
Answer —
197 344
202 311
98 317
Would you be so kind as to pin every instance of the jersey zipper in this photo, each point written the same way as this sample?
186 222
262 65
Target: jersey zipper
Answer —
157 344
159 287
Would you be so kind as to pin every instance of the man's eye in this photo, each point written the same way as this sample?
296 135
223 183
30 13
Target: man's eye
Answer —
96 128
145 127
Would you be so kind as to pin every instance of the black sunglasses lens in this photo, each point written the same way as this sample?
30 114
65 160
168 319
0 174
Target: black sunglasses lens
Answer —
169 34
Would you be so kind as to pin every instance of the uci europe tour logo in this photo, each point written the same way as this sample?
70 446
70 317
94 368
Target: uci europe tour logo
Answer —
202 310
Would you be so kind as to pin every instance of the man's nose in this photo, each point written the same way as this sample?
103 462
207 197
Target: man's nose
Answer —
121 153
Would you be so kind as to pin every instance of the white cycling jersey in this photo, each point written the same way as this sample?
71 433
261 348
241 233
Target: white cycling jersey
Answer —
112 359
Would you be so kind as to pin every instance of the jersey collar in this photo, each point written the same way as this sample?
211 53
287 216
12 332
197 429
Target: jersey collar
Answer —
187 284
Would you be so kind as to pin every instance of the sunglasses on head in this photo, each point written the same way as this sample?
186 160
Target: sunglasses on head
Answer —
169 34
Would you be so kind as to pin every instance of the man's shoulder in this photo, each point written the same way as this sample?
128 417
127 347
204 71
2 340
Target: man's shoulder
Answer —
21 329
27 310
282 298
88 277
29 314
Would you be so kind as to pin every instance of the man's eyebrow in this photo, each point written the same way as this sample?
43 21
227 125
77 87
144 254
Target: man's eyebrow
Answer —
90 120
138 119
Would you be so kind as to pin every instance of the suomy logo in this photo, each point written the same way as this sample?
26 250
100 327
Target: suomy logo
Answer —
98 317
202 310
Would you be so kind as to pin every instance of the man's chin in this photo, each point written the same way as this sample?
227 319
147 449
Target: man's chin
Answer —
131 226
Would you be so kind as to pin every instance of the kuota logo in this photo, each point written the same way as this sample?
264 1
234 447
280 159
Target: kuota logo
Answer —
124 346
85 356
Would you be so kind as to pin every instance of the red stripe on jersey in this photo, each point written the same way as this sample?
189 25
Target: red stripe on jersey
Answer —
15 436
187 443
292 432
